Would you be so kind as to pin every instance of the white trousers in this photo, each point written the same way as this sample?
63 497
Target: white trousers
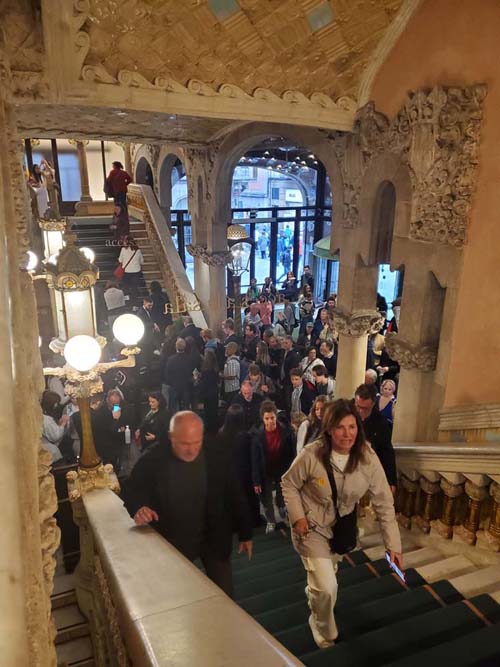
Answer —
321 594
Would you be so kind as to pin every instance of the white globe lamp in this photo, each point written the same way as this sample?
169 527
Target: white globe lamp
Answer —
128 329
89 254
82 353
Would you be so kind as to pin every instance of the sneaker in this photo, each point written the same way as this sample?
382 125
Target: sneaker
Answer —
270 528
319 640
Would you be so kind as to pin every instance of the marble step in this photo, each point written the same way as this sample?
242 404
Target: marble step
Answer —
411 558
446 568
375 539
70 623
496 595
76 652
485 580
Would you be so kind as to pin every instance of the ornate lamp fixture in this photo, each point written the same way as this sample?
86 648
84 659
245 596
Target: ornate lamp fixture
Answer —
83 379
72 277
240 246
53 230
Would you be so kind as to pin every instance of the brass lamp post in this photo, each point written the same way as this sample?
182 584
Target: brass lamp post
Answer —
240 246
72 278
83 379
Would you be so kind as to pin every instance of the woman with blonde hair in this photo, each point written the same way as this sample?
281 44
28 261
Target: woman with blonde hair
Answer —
321 490
386 401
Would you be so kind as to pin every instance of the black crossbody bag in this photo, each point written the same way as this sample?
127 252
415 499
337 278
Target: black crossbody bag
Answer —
345 530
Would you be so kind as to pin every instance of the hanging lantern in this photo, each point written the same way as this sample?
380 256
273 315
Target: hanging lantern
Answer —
72 277
53 236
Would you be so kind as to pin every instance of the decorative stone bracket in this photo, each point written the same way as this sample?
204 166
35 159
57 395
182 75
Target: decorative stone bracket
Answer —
216 258
358 323
411 357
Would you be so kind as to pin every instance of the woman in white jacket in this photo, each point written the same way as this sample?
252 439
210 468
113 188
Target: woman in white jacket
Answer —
342 453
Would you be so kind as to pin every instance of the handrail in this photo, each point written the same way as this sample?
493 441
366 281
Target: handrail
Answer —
143 204
155 607
462 457
452 488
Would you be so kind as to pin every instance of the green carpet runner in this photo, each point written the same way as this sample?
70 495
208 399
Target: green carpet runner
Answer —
381 621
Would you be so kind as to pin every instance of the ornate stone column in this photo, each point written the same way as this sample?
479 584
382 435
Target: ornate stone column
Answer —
353 329
208 231
128 158
84 171
27 490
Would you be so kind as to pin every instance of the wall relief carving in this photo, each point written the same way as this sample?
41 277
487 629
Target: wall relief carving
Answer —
409 356
437 134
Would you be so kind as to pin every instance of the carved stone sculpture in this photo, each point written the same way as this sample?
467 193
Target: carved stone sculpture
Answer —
358 323
410 356
217 258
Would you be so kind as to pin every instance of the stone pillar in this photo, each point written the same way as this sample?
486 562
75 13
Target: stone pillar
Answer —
209 247
30 535
408 501
84 172
355 315
128 158
429 490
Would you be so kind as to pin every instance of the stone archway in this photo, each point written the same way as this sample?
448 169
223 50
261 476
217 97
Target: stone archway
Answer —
235 144
168 164
144 173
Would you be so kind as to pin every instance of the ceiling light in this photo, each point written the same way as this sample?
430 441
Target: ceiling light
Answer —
267 153
121 113
172 117
311 156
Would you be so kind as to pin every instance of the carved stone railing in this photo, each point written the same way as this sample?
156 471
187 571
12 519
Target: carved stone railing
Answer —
451 490
149 606
143 205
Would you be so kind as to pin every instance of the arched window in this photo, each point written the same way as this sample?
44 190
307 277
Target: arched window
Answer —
144 173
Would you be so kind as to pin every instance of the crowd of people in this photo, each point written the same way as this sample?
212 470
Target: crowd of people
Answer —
257 419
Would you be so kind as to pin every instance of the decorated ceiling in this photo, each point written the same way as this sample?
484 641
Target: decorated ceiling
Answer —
304 45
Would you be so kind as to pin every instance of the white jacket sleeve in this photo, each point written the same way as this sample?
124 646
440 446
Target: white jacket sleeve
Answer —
52 431
383 503
291 484
301 435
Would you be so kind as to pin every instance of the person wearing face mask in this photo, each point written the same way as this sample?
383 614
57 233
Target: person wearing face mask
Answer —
273 449
321 490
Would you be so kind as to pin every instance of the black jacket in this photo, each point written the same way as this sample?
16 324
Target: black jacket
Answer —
155 423
291 360
109 439
378 432
226 508
306 399
288 451
178 371
250 408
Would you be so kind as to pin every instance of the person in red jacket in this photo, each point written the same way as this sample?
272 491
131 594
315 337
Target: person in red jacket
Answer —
117 184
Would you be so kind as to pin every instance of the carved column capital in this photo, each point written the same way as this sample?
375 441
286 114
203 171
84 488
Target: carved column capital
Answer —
495 492
85 480
357 323
411 357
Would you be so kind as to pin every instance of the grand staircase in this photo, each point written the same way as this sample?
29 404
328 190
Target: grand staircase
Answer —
448 613
94 233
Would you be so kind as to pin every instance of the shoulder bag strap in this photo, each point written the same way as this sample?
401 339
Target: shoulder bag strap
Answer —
135 252
331 479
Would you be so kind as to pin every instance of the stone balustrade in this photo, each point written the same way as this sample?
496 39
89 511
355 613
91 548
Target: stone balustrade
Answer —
147 605
451 490
142 203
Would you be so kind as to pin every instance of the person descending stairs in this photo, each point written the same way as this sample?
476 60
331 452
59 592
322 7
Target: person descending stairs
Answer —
447 612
